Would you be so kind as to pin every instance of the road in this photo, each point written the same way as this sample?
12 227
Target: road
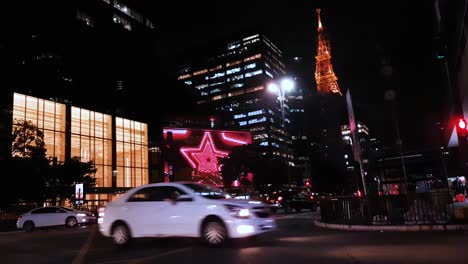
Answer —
297 240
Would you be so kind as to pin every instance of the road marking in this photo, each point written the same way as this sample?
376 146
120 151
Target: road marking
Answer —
85 248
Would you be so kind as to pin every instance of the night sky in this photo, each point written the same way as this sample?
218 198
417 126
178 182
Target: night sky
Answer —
362 34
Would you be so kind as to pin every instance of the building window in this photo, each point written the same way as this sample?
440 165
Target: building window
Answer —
253 57
122 21
233 63
48 116
132 152
91 140
89 21
233 70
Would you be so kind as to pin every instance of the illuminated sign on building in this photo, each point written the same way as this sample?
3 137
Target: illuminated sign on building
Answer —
201 148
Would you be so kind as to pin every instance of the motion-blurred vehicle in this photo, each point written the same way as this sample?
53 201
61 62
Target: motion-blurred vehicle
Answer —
292 199
183 209
54 216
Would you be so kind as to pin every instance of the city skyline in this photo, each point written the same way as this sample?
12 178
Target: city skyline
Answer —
362 37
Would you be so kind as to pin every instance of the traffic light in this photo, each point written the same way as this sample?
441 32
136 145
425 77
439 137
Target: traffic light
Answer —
307 184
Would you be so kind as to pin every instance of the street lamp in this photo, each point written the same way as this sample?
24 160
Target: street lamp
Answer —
285 85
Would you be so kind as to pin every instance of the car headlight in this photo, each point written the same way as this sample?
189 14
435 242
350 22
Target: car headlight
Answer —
238 211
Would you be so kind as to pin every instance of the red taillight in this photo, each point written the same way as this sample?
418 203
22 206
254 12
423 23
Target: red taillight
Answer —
311 197
280 199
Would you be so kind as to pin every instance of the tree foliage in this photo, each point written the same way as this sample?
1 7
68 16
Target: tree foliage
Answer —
63 178
33 177
28 141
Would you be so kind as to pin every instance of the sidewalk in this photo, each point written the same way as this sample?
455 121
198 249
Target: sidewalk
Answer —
402 228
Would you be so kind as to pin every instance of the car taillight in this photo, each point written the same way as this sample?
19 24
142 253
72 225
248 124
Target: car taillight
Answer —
280 199
312 197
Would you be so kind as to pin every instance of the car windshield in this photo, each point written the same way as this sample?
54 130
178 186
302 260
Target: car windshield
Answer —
207 191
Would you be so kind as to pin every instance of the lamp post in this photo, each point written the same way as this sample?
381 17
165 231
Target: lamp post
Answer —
285 85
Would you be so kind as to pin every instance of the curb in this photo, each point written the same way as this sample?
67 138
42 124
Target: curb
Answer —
408 228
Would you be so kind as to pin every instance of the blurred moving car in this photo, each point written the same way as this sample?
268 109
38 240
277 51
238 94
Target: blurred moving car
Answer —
183 209
290 199
54 216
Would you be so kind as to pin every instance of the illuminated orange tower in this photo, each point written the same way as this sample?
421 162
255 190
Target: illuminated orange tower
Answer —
324 75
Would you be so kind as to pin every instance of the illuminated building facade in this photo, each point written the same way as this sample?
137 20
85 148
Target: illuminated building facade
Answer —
231 84
191 152
117 146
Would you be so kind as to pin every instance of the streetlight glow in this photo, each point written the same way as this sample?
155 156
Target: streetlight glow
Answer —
287 84
273 87
280 89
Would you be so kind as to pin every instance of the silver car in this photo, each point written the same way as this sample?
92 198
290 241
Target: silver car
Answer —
54 216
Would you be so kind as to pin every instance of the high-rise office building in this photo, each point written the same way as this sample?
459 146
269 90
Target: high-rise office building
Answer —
89 52
58 55
233 83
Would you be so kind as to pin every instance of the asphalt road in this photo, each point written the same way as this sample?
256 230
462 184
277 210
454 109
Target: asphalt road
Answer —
297 240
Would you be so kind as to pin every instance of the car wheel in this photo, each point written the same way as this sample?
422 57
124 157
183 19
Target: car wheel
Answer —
214 233
28 226
71 222
298 209
121 235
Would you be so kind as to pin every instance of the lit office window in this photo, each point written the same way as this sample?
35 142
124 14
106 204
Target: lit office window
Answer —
200 72
89 21
250 74
239 116
122 21
233 70
91 140
181 77
253 57
130 12
257 112
48 116
232 63
132 152
250 66
201 86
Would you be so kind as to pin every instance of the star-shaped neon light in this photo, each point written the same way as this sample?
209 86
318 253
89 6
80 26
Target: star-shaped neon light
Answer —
205 156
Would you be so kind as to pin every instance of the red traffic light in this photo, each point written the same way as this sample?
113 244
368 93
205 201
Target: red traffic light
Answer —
307 184
461 123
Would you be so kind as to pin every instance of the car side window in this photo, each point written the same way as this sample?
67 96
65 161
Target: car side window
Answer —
155 194
143 195
169 193
39 211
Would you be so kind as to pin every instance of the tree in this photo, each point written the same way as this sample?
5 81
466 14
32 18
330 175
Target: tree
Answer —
35 177
28 140
29 164
64 176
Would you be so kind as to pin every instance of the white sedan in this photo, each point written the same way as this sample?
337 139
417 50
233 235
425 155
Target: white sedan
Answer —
54 216
183 209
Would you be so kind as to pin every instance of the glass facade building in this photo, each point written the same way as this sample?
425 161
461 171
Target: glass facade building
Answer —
117 146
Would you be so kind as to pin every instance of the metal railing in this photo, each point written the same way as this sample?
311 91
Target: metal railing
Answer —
411 209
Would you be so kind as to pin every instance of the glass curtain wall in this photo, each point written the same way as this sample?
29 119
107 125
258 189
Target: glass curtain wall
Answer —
132 152
48 116
91 140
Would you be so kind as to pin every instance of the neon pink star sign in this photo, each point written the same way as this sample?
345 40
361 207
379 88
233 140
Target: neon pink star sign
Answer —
205 156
